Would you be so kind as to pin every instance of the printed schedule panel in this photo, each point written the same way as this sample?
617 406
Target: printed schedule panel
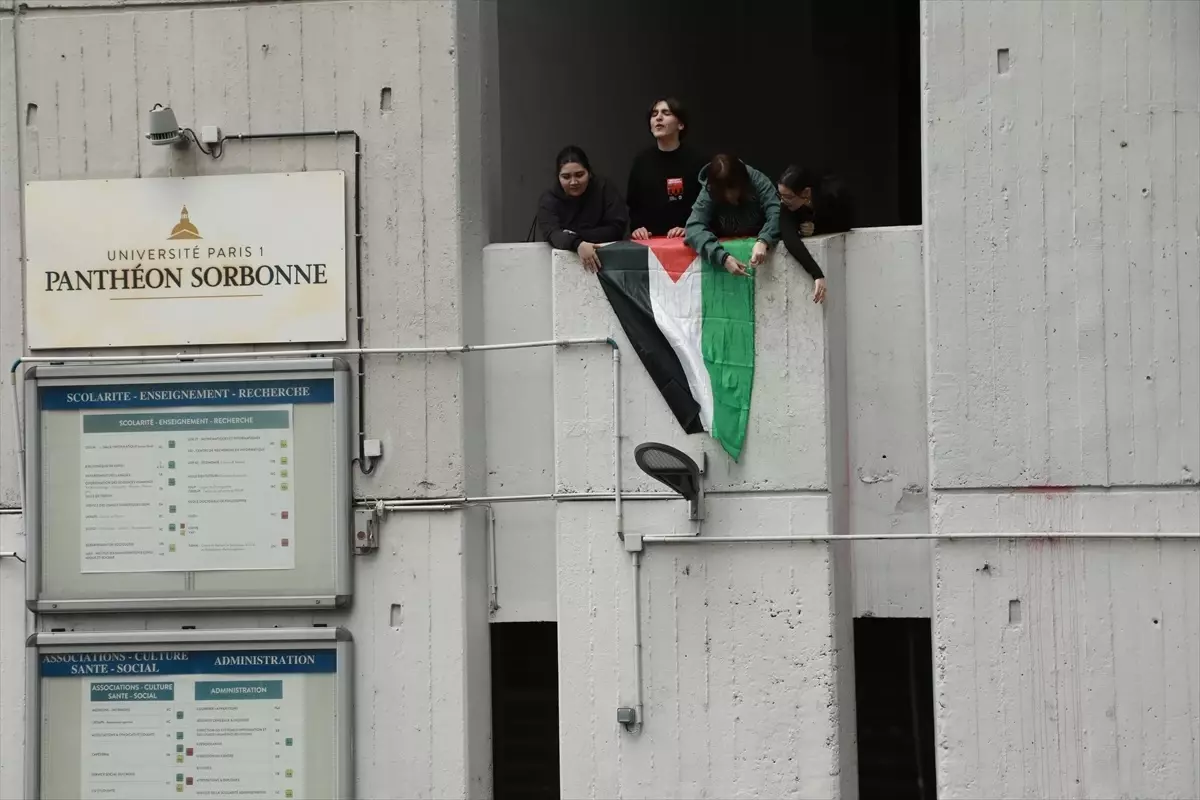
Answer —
191 714
189 485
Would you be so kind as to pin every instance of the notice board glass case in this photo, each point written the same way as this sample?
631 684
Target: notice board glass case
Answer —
198 485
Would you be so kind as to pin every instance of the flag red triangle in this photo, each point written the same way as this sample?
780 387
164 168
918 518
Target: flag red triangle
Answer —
674 255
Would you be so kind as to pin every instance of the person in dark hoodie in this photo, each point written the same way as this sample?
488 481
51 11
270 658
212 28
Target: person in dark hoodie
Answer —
819 204
811 206
664 181
735 201
583 210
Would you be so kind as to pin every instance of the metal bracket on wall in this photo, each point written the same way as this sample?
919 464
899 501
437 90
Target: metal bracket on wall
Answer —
366 528
697 505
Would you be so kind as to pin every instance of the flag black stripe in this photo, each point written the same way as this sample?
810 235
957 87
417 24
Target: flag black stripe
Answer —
626 282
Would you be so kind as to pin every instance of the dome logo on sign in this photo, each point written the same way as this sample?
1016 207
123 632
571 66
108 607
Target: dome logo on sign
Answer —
184 229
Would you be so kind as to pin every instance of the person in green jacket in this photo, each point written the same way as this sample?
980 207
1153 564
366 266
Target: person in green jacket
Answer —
736 201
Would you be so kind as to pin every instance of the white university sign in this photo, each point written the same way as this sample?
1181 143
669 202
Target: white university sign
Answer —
231 259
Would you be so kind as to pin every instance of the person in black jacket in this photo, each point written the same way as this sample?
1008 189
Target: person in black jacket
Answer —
583 210
811 207
664 181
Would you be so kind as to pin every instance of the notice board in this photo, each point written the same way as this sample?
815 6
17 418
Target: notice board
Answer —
188 485
150 715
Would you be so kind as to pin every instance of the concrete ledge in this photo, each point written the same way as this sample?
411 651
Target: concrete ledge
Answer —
1067 510
886 405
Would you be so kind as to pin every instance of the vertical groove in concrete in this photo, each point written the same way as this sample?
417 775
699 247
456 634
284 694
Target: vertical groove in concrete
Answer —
887 443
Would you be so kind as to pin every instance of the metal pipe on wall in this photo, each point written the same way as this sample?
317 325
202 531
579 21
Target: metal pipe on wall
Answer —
620 521
558 497
310 353
493 579
359 321
20 434
433 504
459 503
826 537
636 563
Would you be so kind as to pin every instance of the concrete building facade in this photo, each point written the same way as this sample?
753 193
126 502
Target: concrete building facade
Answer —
1026 361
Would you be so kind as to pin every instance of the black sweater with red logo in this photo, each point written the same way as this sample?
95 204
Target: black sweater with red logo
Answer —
663 185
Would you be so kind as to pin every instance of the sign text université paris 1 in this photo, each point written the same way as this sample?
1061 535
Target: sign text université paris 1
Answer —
231 259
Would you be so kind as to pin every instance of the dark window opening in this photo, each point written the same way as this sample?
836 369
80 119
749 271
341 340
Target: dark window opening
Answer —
525 710
893 665
831 85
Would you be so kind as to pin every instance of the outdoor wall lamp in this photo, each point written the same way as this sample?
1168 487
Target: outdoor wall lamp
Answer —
164 129
677 470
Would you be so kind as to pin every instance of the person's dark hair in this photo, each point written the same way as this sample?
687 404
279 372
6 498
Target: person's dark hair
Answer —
726 172
677 109
831 196
798 178
571 153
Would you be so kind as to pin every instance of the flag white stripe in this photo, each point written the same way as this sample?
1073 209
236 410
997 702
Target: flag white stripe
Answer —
679 313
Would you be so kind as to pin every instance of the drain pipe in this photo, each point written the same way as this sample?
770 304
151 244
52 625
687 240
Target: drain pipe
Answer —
636 561
493 582
631 721
20 433
631 717
365 465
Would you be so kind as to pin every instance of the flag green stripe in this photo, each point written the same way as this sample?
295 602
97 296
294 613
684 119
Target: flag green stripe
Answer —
727 344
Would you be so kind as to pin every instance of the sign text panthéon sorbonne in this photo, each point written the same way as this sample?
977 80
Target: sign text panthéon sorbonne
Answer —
232 259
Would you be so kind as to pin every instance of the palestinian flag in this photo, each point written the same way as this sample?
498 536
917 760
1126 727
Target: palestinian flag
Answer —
692 325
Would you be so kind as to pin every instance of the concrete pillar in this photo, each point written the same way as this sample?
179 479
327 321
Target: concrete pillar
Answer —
747 663
1062 164
15 626
75 84
520 430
